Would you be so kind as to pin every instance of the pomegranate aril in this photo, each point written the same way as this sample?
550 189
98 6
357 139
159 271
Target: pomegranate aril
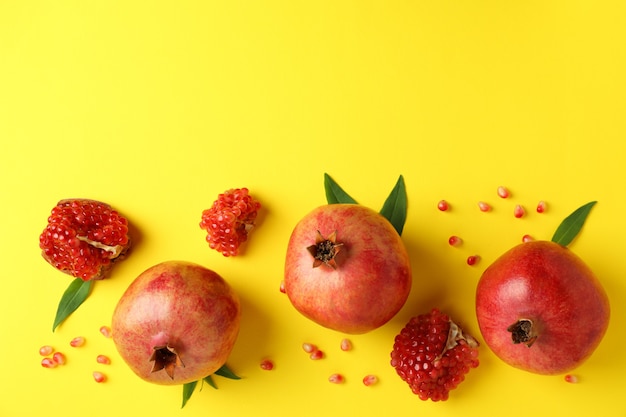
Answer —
48 363
267 365
106 331
103 359
572 379
282 287
46 350
484 207
316 355
58 358
99 377
473 260
369 380
346 345
443 205
309 347
455 241
541 207
503 192
77 341
519 211
527 238
336 379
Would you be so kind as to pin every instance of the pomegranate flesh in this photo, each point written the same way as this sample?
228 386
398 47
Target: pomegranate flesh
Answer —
347 268
541 309
176 323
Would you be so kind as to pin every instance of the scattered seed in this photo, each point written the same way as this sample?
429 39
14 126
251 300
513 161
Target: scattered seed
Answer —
503 192
106 331
282 287
99 377
370 380
48 363
519 211
46 350
455 241
316 355
77 341
541 207
473 259
484 206
572 379
103 359
443 205
336 379
527 238
309 347
267 365
346 345
58 358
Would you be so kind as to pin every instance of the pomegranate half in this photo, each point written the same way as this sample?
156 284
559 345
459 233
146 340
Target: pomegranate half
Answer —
347 268
541 309
176 323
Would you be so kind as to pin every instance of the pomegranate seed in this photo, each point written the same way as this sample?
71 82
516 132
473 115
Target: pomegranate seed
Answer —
519 211
46 350
103 359
58 358
503 192
346 345
370 380
455 241
282 287
484 206
48 363
267 365
316 355
99 377
527 238
106 331
572 379
336 379
77 341
473 259
541 207
309 347
443 205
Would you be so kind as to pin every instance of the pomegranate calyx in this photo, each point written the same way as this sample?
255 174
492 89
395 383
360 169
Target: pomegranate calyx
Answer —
522 331
324 250
165 357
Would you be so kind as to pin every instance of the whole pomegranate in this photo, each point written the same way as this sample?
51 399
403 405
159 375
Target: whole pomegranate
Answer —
176 323
540 308
347 268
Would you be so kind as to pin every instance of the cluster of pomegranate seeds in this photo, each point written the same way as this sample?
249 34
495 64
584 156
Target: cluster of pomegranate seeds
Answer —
52 359
229 220
432 354
83 237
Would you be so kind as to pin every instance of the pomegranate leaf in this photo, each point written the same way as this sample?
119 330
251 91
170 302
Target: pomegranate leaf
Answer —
226 372
394 208
571 225
209 380
188 389
334 193
72 298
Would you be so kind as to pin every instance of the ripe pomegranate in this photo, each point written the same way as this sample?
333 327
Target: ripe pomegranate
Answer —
540 308
176 323
347 268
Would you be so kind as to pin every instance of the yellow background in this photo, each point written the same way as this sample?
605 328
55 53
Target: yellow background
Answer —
157 107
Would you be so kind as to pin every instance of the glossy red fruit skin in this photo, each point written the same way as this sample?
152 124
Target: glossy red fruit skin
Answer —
550 285
372 279
180 304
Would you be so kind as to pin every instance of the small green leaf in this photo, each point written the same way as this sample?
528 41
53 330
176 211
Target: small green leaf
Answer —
334 193
188 389
569 228
210 381
226 373
72 298
394 208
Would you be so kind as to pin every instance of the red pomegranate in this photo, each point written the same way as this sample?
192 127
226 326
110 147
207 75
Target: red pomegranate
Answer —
540 308
176 323
347 268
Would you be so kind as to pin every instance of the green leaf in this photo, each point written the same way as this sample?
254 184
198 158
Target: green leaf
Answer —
210 381
394 208
72 298
334 193
226 372
569 228
188 389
